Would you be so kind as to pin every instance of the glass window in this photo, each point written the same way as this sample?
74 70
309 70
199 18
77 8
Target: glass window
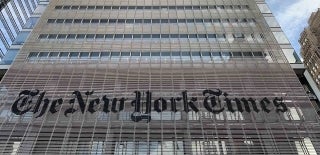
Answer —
90 7
74 55
236 54
131 7
281 37
81 36
95 54
77 20
202 36
164 21
172 20
181 20
192 36
264 8
58 7
147 7
33 54
190 20
84 55
90 36
107 7
165 35
99 36
226 55
188 7
238 35
82 7
146 36
62 36
212 36
130 20
59 20
71 36
52 36
43 36
115 55
66 7
207 20
86 21
54 54
51 21
216 20
183 35
118 36
103 20
147 20
74 7
123 7
165 54
99 7
110 36
155 20
180 7
247 54
145 54
174 35
196 7
64 54
94 20
125 54
135 54
155 54
136 36
121 21
257 54
204 7
155 35
212 7
115 7
68 21
155 7
128 36
105 54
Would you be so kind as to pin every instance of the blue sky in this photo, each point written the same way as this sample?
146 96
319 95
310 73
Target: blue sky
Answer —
293 16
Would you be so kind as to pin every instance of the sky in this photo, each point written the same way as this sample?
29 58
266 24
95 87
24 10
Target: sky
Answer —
293 16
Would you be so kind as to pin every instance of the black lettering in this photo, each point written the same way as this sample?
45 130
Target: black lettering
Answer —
174 103
114 105
92 104
212 100
264 103
228 102
44 107
280 106
157 105
148 103
137 101
53 107
190 103
106 104
23 102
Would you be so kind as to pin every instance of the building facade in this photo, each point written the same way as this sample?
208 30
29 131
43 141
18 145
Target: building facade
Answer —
17 19
310 46
156 77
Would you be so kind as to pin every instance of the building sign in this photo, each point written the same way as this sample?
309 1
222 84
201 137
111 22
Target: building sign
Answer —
215 101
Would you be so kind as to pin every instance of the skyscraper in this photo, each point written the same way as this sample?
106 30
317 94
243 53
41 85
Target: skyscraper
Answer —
156 77
310 46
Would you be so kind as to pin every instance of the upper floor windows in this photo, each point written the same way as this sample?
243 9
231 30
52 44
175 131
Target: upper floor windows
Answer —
148 21
128 36
179 7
